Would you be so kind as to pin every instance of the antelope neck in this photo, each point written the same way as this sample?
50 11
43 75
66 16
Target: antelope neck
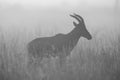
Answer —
75 33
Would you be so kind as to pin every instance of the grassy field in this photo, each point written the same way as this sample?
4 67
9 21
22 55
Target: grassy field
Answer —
97 59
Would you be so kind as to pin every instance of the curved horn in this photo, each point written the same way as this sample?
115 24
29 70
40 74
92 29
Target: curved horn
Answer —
79 17
76 18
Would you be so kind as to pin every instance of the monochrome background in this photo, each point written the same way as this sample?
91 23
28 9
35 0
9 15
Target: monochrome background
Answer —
21 21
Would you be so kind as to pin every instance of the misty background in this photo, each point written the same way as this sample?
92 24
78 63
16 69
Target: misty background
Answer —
38 18
53 15
21 21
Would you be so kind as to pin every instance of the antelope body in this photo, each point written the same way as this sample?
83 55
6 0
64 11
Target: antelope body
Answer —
59 45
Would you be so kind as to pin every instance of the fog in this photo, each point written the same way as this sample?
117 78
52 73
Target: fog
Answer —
21 21
54 14
47 3
33 19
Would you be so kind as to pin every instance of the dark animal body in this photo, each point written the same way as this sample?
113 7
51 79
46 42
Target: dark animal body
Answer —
53 46
59 45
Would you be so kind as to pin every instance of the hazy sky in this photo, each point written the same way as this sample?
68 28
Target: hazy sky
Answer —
47 3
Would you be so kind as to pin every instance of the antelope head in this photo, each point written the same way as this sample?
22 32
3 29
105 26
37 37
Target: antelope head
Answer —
81 26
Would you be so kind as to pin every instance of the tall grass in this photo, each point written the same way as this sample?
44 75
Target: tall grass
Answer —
97 59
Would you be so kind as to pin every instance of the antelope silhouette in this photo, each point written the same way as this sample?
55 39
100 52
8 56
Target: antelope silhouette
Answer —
59 45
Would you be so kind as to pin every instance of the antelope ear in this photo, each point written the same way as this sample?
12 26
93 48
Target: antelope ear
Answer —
75 24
